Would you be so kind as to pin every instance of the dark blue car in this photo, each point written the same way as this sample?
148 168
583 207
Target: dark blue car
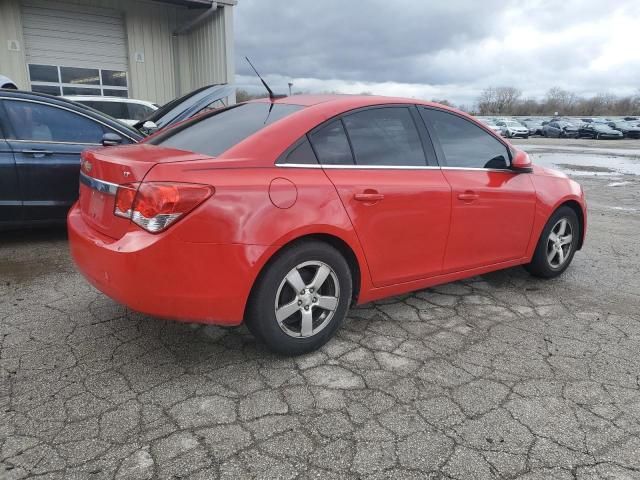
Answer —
41 138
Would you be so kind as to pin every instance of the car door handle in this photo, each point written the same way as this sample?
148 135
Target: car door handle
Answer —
368 197
468 196
37 153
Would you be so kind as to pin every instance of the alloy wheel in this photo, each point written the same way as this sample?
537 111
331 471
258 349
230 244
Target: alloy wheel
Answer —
559 243
307 299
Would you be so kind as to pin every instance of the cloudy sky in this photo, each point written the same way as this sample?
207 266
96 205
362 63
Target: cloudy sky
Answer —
440 48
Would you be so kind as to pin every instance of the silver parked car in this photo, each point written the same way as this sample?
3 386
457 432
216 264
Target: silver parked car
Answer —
511 129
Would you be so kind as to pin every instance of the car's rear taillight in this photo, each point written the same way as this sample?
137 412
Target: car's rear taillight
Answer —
154 206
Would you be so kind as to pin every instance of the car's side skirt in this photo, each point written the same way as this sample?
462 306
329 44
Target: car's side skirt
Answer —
400 288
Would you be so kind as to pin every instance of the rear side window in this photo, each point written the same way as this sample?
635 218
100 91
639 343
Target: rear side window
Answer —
217 132
464 144
385 136
300 155
331 145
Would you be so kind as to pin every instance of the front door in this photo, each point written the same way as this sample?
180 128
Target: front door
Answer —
46 142
492 206
398 204
10 201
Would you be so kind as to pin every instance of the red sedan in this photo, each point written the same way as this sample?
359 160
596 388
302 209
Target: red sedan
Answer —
284 213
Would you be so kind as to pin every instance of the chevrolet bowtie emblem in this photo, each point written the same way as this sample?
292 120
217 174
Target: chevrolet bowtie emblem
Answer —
126 173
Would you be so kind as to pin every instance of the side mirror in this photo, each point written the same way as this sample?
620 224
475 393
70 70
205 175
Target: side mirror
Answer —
111 139
521 162
149 127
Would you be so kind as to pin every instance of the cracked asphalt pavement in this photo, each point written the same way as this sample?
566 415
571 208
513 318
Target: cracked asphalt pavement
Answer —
499 376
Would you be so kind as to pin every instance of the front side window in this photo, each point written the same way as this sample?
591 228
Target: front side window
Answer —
331 144
464 144
385 137
217 132
44 123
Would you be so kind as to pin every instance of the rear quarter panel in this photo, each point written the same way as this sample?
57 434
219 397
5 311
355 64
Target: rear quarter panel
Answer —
251 206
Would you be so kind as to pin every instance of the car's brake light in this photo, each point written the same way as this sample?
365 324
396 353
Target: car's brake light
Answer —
154 206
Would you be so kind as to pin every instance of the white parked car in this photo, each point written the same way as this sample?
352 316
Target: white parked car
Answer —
491 124
127 110
511 129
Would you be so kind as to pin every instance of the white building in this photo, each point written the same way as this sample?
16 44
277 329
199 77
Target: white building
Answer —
148 49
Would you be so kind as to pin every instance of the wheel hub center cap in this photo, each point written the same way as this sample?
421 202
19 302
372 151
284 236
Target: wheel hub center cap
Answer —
305 299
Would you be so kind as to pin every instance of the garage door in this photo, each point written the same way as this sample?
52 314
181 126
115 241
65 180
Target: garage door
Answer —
80 43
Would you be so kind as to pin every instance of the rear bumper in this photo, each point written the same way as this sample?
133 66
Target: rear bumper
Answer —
163 276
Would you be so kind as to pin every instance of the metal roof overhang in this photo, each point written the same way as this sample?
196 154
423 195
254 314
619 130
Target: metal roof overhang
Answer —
189 3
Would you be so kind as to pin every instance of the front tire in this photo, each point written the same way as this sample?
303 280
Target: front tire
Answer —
301 298
557 244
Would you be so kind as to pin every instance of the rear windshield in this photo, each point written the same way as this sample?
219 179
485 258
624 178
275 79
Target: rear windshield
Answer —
216 132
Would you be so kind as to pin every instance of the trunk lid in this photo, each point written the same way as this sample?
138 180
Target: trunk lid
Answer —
103 170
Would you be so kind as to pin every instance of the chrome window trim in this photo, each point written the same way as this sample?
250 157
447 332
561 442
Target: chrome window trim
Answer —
505 170
99 185
52 141
359 167
69 110
389 167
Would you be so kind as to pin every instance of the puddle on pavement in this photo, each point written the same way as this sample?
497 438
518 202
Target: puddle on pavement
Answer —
21 271
604 150
605 164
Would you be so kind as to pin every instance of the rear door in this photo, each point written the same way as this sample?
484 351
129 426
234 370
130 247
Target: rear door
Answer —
492 206
47 140
383 167
10 201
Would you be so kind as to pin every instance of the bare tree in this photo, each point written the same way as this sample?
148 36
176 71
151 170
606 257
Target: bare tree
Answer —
561 101
507 101
498 100
243 95
443 101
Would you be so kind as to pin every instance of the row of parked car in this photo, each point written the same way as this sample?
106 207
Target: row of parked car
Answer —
565 127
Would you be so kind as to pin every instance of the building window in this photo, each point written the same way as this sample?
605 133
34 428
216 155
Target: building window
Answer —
60 80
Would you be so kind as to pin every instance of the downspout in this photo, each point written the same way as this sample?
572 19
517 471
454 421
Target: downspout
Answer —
182 30
191 24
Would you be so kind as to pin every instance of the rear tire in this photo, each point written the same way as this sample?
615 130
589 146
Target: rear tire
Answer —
557 244
301 298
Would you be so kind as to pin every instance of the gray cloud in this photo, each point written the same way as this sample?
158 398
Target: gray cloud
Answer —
452 48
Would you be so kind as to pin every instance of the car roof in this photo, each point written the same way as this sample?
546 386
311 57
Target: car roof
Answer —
105 98
346 100
71 105
261 146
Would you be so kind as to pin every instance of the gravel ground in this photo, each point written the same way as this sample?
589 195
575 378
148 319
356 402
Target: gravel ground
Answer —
499 376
